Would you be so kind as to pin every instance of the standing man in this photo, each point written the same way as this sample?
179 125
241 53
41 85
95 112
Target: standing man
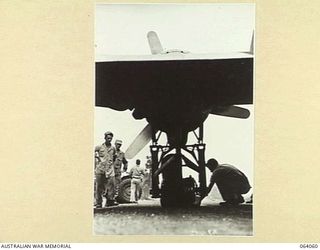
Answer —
136 174
231 182
96 173
110 150
119 160
146 182
104 172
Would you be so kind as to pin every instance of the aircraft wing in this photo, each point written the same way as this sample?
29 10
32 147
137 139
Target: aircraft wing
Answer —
173 56
173 81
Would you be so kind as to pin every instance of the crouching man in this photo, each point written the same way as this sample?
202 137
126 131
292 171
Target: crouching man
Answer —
231 182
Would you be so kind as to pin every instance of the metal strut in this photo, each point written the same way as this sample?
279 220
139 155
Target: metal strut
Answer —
202 164
154 148
197 151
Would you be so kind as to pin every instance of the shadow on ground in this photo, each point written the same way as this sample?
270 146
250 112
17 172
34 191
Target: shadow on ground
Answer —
148 218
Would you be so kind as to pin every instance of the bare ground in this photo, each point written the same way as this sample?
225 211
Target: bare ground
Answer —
148 218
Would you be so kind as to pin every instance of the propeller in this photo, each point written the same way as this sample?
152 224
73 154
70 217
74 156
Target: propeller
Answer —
230 111
154 43
139 142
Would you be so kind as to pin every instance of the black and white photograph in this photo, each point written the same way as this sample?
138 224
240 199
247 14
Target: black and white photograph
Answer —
174 119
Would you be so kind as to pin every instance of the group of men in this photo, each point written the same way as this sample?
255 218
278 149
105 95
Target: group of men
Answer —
109 160
231 182
108 168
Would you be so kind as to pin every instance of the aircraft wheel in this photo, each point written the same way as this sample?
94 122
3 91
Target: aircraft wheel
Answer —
179 196
168 202
175 190
169 198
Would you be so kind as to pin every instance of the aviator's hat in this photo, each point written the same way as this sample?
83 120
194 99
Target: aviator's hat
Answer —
108 133
118 142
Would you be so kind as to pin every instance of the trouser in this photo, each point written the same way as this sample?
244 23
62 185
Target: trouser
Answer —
110 188
135 188
104 187
117 183
231 192
94 191
145 188
100 188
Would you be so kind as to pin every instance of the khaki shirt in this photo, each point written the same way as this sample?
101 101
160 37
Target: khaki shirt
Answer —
228 175
137 172
105 165
110 151
119 160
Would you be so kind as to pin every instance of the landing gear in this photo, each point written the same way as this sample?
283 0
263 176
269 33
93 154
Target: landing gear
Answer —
175 190
182 195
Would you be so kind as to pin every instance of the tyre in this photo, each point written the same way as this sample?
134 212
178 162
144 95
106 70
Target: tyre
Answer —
175 190
182 195
171 181
125 191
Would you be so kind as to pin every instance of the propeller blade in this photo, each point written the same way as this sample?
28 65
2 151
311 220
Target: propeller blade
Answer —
139 142
230 111
252 44
154 43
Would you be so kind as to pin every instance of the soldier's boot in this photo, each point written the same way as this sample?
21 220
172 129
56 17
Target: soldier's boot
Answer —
233 202
111 203
98 205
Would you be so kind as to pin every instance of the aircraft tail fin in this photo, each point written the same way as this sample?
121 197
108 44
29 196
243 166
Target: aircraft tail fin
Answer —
154 43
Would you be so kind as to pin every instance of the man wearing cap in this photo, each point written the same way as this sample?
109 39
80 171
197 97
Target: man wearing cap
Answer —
110 150
231 182
118 161
104 172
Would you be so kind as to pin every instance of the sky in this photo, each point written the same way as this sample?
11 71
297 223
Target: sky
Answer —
121 29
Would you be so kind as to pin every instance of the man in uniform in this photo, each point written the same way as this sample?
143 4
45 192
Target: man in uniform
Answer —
146 182
118 161
231 182
104 172
110 150
136 174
